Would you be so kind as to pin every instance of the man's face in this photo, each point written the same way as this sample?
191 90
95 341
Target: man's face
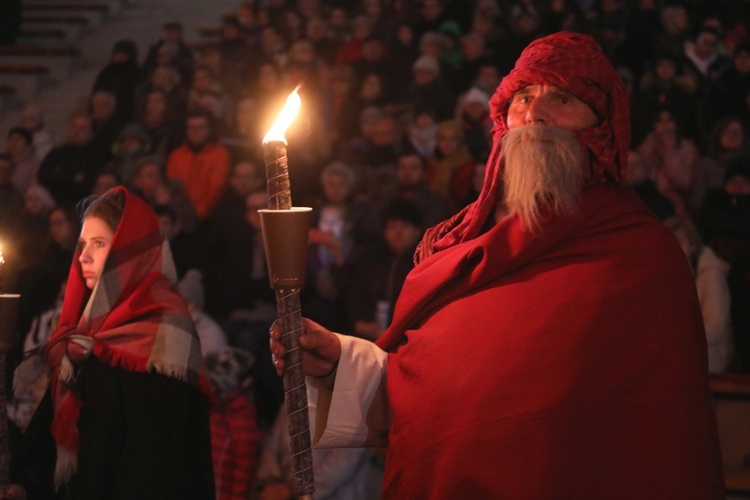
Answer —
384 133
102 108
335 188
197 131
79 132
549 105
400 235
409 171
245 179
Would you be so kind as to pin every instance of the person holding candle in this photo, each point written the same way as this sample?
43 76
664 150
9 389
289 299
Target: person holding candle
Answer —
526 356
126 407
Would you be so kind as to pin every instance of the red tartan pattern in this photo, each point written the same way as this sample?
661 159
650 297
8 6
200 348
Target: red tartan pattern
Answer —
235 442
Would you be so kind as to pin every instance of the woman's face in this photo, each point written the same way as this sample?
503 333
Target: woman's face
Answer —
95 243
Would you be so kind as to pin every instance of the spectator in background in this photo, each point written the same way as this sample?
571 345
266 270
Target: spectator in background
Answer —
172 49
183 245
132 144
724 223
641 179
377 277
121 76
19 146
473 114
106 123
713 292
31 120
69 170
167 79
420 133
674 160
427 90
105 180
728 141
162 130
412 187
675 23
201 163
451 167
152 185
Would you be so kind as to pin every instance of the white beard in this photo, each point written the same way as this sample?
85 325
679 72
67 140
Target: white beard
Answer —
542 171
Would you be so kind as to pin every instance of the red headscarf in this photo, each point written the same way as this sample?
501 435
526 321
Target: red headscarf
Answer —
567 60
133 319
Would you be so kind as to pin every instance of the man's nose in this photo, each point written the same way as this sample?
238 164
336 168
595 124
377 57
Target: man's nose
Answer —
537 112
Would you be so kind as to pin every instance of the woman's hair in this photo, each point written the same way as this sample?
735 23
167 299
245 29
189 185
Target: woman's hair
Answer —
109 207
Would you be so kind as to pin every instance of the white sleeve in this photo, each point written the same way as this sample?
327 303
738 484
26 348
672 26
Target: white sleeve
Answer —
355 412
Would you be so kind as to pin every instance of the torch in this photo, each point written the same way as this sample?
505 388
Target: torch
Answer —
285 230
8 314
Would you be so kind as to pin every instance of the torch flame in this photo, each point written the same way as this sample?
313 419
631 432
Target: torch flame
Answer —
284 119
2 260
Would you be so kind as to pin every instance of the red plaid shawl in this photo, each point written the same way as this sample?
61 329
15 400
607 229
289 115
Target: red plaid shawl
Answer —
568 60
134 319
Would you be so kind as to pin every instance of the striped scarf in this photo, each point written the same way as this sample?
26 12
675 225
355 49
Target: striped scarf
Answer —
133 319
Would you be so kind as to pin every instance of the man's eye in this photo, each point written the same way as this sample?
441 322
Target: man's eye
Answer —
564 99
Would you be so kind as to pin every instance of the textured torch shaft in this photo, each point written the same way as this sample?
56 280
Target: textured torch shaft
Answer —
289 317
4 451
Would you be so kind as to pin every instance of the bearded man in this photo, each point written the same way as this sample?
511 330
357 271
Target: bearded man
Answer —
549 342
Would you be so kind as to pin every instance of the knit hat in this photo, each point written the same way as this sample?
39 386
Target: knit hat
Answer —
427 63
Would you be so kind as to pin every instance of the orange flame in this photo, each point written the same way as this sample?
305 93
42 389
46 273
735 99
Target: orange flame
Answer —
284 119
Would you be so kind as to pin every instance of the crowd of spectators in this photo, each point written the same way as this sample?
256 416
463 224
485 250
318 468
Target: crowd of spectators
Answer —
392 138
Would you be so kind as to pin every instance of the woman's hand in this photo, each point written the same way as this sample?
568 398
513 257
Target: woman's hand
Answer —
321 349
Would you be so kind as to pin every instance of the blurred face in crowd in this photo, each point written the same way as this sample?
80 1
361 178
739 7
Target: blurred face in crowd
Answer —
102 107
400 235
371 87
317 29
163 78
431 10
198 131
30 119
60 228
104 182
245 178
253 203
16 145
335 188
409 171
448 142
148 179
172 34
156 106
666 69
423 76
79 131
95 243
32 203
665 124
472 47
488 78
706 44
737 185
202 80
384 132
731 138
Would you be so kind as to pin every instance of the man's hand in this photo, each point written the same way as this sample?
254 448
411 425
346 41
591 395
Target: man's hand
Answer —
321 349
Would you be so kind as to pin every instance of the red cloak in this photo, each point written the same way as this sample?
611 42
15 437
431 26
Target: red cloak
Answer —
568 366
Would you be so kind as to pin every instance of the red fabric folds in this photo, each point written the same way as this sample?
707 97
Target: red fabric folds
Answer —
551 367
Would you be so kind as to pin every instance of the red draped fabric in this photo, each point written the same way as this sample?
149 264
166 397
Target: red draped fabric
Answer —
525 367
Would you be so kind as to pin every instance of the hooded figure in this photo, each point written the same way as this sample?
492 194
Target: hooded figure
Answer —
128 405
556 355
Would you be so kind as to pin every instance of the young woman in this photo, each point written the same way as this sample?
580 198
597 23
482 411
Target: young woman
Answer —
126 406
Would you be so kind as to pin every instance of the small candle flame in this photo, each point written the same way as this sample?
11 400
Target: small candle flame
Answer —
284 119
